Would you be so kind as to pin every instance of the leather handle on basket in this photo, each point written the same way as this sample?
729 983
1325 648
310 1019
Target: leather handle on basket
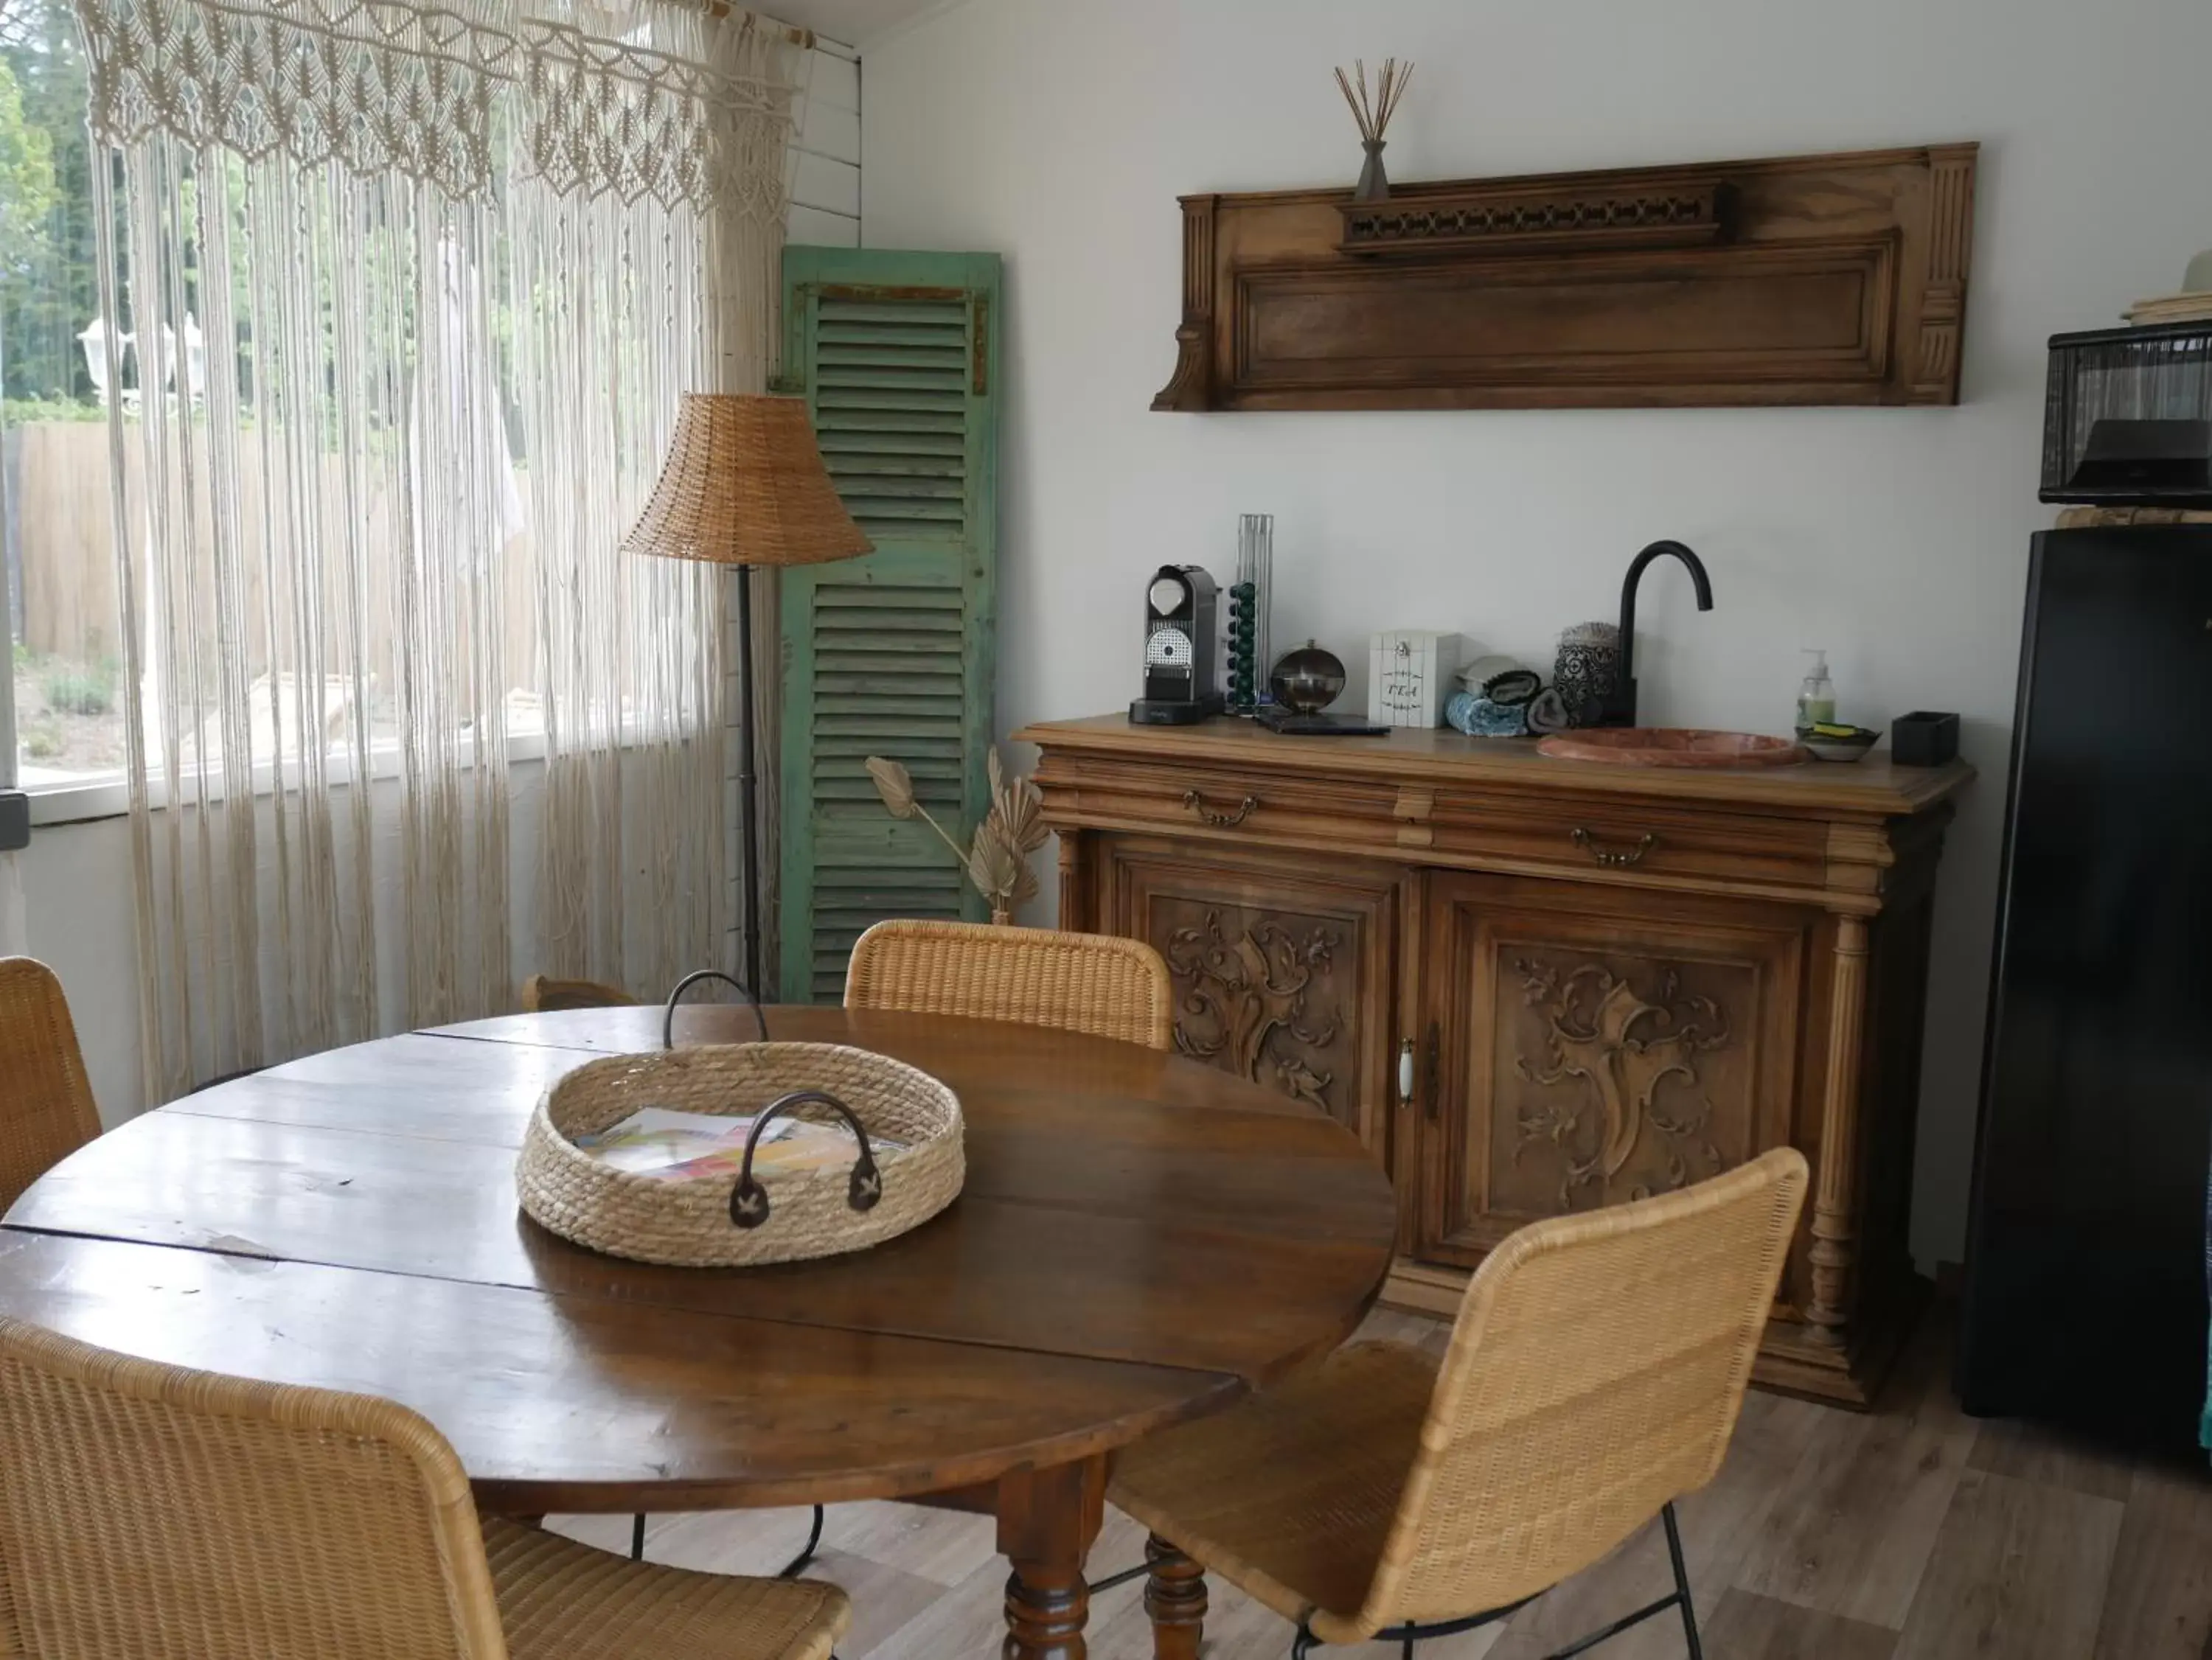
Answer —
668 1019
748 1204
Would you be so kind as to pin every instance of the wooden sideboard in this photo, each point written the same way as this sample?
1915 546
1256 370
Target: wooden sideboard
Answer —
1535 985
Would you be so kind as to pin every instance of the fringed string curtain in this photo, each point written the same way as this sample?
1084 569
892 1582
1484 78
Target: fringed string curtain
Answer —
413 291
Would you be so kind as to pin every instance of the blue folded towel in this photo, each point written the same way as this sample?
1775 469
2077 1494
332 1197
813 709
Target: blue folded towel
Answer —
1484 717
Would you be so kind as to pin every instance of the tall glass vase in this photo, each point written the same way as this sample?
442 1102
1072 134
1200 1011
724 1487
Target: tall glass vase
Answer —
1248 599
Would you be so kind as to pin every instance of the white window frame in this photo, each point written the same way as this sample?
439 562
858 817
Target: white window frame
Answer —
109 796
6 637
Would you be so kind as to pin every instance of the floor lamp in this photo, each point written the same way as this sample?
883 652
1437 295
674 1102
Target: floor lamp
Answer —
745 486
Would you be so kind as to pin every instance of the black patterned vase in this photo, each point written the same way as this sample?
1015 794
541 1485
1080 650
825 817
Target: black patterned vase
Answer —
1587 670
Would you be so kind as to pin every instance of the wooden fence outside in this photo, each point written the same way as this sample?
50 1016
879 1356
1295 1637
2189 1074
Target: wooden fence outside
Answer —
61 513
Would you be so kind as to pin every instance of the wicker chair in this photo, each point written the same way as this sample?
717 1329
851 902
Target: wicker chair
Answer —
543 995
1088 983
1594 1375
164 1514
46 1110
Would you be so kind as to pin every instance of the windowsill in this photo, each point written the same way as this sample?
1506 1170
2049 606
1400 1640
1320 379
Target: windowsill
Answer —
77 803
109 796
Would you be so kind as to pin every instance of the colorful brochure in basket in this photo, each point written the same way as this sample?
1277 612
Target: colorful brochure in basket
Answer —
666 1145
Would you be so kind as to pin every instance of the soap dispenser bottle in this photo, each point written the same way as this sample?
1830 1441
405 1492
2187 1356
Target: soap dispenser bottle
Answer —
1816 698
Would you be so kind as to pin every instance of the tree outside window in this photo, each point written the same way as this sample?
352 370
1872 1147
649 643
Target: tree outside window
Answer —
53 443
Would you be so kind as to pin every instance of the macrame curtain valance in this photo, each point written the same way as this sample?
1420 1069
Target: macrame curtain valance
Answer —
429 92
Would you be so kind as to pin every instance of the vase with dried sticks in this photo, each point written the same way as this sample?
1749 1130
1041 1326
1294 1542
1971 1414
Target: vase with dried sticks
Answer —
997 857
1373 116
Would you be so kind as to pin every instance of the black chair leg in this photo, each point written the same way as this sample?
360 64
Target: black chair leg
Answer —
791 1570
1682 1583
1305 1642
797 1565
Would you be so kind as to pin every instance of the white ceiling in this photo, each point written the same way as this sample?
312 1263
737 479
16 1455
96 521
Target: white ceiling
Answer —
855 22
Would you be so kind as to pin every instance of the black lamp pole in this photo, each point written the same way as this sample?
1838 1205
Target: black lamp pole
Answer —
745 475
747 807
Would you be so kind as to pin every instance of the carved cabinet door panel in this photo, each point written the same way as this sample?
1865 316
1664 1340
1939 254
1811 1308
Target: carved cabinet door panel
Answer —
1282 964
1593 1045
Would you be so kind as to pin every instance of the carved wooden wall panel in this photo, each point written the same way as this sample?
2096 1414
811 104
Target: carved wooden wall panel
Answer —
1595 1051
1259 993
1615 1075
1820 279
1280 968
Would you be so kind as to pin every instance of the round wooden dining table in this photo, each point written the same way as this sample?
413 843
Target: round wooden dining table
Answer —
1142 1239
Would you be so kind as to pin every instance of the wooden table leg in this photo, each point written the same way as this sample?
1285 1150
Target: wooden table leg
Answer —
1047 1519
1175 1596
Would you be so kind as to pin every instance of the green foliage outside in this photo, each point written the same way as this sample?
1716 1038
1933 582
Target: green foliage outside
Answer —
49 281
27 192
79 691
32 411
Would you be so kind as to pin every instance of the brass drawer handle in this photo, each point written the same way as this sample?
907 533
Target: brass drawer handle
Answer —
1612 858
1214 817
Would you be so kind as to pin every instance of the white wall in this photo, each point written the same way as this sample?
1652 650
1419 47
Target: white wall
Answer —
1059 132
825 152
77 919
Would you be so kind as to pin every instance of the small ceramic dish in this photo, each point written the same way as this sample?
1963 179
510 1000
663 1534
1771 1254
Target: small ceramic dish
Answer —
1827 746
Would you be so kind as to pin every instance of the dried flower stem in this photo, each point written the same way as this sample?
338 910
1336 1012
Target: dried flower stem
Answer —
996 859
1389 87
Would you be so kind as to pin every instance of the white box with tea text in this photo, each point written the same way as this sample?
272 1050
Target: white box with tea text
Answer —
1411 675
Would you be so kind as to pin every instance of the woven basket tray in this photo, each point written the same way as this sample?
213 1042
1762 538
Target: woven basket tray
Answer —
706 1222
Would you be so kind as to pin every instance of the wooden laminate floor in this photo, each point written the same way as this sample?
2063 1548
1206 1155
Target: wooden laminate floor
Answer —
1915 1533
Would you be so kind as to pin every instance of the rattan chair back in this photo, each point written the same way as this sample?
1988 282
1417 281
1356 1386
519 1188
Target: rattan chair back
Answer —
1594 1374
165 1514
542 994
1087 983
46 1110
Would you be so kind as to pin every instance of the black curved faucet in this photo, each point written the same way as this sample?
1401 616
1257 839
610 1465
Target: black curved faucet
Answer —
1619 708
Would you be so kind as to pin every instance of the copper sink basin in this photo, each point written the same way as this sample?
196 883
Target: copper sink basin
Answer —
1673 746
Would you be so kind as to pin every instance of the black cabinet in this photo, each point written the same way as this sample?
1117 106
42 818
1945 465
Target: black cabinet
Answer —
2087 1250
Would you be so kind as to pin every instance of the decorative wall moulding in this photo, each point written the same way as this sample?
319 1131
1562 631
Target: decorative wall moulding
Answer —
1820 279
1688 209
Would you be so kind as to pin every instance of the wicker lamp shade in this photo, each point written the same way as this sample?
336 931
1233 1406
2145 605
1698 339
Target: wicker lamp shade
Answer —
744 484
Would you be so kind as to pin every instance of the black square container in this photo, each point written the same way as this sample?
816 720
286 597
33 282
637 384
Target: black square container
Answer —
1923 738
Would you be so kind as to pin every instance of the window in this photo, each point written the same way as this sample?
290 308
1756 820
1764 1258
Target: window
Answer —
411 296
57 368
429 465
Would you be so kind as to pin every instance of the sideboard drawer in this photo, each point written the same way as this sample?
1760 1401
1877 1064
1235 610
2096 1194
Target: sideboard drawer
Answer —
1629 840
1605 839
1321 814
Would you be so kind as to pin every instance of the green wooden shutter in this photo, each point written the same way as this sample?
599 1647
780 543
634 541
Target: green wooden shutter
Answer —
892 654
